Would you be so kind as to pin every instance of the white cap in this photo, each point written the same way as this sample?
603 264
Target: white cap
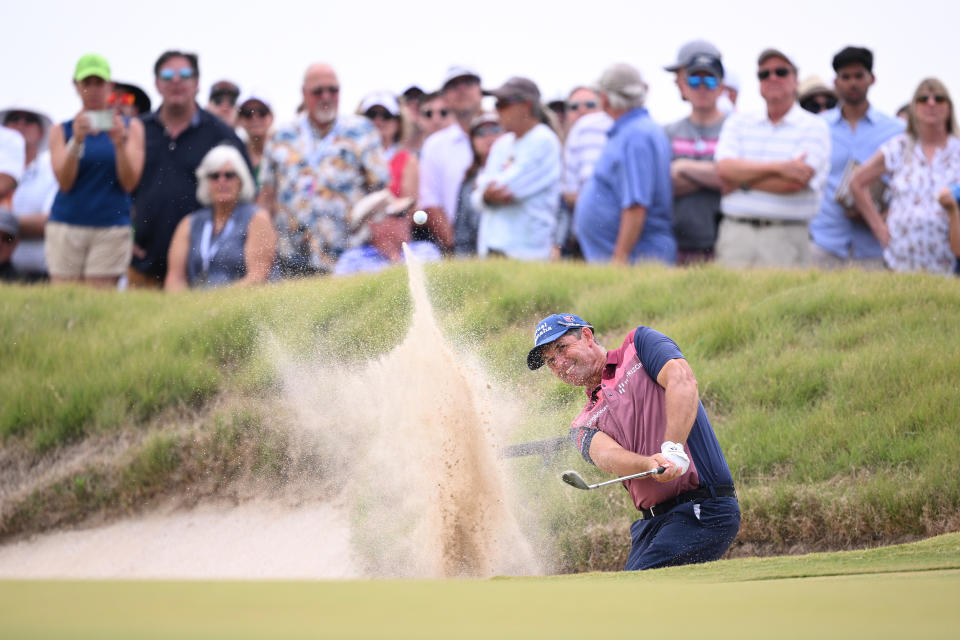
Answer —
458 71
254 95
383 99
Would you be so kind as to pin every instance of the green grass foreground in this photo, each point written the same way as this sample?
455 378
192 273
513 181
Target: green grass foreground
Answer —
893 592
834 395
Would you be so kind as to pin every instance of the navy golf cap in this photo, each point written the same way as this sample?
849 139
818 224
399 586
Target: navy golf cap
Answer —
549 329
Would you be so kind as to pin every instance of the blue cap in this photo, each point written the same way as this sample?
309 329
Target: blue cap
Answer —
549 329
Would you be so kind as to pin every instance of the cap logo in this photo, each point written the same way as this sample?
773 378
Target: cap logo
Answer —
543 328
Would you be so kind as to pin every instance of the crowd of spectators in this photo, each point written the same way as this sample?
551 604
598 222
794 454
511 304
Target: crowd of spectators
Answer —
187 196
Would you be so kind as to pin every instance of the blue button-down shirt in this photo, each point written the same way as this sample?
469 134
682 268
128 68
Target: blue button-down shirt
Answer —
634 169
831 229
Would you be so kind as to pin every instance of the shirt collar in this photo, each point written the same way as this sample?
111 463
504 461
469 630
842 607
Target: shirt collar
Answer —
609 369
625 119
835 115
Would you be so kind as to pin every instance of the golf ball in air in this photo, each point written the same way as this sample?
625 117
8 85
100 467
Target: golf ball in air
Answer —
420 217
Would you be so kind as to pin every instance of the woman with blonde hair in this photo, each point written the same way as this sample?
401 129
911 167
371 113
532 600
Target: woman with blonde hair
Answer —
231 240
919 162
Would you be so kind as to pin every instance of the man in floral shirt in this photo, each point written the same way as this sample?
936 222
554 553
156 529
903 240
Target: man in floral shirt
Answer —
314 170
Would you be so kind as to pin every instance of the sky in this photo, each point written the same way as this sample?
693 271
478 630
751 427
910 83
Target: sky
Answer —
266 46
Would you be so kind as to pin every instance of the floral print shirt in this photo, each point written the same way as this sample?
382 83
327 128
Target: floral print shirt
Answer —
918 224
317 180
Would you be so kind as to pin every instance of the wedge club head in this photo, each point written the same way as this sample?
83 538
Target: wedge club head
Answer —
574 479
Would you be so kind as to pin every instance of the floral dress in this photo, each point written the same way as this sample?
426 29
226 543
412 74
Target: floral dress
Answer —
918 224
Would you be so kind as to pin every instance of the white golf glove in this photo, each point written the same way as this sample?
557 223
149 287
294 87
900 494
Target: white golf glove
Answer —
673 451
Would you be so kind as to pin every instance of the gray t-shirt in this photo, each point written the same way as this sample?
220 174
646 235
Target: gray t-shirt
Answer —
695 215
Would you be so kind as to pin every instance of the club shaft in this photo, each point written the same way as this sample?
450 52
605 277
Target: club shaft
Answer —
651 472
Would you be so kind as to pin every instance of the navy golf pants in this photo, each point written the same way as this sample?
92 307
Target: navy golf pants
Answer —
690 532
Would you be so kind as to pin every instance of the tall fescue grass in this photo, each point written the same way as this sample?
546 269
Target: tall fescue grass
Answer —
835 395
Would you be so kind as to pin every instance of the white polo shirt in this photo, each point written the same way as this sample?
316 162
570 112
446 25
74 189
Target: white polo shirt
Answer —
753 136
445 157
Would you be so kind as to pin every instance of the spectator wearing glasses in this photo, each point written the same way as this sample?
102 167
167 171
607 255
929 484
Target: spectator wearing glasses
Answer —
773 166
255 117
693 139
35 192
223 101
230 241
920 163
624 213
580 102
434 114
814 96
838 235
581 149
446 155
178 135
98 160
383 110
518 189
314 171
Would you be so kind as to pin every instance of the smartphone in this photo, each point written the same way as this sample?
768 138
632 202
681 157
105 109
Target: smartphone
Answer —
101 120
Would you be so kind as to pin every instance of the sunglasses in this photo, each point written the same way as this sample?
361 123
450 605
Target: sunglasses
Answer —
378 114
816 104
125 99
587 104
487 130
21 116
780 72
708 82
183 74
319 91
429 113
220 98
216 175
939 98
249 112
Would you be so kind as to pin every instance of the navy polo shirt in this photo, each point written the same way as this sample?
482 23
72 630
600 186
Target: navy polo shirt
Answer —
168 188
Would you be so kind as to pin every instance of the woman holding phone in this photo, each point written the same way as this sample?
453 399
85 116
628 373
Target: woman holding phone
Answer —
97 159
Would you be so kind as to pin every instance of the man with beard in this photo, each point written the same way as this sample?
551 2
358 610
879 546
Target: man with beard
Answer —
313 171
857 129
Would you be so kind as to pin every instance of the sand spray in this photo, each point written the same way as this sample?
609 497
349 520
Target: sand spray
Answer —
418 429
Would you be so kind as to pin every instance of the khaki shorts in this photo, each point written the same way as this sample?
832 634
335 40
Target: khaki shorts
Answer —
741 244
76 251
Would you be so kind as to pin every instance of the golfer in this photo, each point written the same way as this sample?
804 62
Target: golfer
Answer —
643 411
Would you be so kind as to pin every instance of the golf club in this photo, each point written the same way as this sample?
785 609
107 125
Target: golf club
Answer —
574 479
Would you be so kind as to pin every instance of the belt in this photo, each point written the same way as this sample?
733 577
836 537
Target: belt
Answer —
765 222
700 493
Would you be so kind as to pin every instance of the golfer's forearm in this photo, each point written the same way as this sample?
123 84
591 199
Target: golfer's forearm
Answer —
682 403
608 455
